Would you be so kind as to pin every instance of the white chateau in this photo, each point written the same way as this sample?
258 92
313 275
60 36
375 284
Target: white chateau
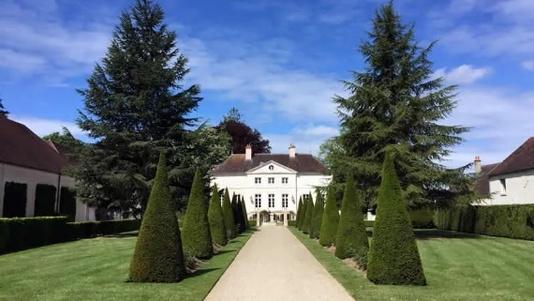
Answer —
271 184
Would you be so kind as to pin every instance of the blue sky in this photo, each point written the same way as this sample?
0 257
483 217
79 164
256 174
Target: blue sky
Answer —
281 62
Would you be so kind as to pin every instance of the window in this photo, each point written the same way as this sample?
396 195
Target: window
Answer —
271 180
257 200
271 200
284 180
271 167
284 200
503 186
257 180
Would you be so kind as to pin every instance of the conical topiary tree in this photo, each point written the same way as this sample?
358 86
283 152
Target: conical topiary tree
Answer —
244 211
308 216
299 210
228 216
318 210
327 235
216 219
238 215
302 209
158 255
351 237
196 234
393 255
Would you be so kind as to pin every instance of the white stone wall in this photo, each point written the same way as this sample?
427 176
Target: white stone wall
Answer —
519 189
32 177
298 185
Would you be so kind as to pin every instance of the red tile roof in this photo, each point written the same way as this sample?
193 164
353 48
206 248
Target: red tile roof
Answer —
20 146
521 159
302 163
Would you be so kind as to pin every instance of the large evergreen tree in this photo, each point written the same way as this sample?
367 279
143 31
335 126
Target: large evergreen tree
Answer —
393 255
158 254
351 237
196 235
136 105
216 218
330 221
317 218
397 100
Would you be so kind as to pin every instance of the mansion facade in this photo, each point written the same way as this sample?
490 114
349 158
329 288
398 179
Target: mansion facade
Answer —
271 184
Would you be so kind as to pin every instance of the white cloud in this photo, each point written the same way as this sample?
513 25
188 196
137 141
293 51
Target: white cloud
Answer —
306 138
528 65
21 62
44 126
262 80
463 74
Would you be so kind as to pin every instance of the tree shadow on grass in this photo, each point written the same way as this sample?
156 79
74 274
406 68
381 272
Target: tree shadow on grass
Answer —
434 233
202 272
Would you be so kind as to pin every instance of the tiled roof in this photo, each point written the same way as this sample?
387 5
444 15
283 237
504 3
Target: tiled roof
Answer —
20 146
302 163
482 181
521 159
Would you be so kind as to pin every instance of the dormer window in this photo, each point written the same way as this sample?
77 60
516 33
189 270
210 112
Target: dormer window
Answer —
271 167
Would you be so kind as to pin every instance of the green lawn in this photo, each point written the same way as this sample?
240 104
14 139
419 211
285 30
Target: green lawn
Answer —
457 267
97 269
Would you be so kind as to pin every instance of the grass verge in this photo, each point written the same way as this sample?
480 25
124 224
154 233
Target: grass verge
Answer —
457 267
97 269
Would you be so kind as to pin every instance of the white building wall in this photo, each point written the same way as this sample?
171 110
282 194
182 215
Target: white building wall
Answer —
297 185
32 177
519 189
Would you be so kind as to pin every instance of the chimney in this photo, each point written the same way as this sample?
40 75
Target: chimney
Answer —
477 164
248 152
292 151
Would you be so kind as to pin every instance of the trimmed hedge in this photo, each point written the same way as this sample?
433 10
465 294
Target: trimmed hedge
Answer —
301 213
351 237
14 199
158 254
45 200
308 216
327 236
90 229
29 232
393 254
318 211
513 221
228 213
196 236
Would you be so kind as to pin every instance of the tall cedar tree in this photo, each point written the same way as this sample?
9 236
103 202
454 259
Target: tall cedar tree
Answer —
216 218
244 212
299 213
196 234
228 213
158 254
308 216
327 236
3 111
134 106
397 100
393 255
318 211
351 237
243 135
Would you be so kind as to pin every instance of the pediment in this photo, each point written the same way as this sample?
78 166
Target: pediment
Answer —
272 167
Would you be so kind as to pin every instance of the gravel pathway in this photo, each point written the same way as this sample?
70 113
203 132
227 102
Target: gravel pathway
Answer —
274 265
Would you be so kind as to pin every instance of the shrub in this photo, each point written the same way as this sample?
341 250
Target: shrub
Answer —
14 199
300 210
45 200
158 255
458 218
216 219
422 218
228 213
318 210
244 212
327 236
308 216
393 255
351 237
238 214
196 236
67 203
29 232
